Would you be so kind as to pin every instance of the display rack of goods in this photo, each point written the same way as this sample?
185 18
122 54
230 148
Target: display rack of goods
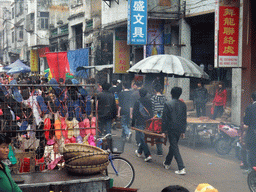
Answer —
84 159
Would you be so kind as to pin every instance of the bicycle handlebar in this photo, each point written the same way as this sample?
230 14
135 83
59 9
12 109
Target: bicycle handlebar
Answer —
106 136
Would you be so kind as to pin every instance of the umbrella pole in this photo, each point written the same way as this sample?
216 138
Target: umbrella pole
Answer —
166 84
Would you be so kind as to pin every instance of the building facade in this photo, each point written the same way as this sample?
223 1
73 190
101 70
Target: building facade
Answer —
192 37
187 28
4 16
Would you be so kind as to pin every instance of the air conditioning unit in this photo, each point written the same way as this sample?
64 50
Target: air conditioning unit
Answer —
30 28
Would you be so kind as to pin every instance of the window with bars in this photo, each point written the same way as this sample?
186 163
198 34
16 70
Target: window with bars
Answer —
44 17
19 8
89 24
64 29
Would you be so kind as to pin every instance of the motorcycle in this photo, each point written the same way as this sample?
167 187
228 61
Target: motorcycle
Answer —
251 180
227 138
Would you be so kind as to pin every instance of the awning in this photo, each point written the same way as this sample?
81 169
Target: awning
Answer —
97 67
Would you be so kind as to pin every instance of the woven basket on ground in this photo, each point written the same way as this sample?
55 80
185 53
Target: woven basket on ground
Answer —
72 150
90 169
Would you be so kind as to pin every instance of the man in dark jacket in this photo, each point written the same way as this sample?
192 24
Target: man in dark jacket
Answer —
134 97
200 99
140 122
107 110
115 90
250 138
124 110
174 123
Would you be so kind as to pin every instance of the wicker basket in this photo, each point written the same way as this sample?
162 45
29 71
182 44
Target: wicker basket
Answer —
84 170
88 159
72 150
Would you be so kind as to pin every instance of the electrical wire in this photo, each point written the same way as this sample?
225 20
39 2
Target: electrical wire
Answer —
196 7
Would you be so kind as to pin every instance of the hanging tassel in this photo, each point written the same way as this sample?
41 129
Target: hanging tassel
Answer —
91 140
64 127
76 127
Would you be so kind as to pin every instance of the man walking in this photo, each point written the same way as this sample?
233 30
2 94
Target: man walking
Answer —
107 110
250 138
115 91
174 123
124 110
134 97
158 101
139 120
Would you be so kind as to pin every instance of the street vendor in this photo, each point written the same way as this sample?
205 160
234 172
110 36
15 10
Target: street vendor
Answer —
7 184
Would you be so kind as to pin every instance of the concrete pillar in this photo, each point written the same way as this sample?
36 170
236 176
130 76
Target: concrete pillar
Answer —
237 90
185 51
183 38
236 95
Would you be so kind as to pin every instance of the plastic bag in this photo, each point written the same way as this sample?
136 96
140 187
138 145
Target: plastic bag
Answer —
155 125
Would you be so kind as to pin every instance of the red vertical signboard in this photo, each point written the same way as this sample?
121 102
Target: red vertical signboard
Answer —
228 36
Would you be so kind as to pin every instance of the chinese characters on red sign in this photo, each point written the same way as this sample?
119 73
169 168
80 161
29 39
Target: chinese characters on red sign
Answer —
122 56
33 60
228 36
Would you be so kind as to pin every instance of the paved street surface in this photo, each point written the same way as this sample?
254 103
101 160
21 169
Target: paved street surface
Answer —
203 165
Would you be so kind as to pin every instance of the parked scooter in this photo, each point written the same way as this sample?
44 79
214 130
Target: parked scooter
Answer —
251 180
227 138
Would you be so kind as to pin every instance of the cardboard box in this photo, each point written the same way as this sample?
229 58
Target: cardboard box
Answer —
190 105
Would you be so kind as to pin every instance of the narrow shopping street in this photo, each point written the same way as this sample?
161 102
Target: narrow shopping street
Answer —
203 165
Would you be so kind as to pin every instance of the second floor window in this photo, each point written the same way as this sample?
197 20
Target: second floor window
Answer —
13 13
89 46
44 16
13 37
21 34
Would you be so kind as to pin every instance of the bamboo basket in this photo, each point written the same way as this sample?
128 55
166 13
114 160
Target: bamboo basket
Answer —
83 170
72 150
88 159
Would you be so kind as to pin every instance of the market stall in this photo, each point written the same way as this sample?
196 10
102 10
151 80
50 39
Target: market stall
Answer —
41 120
199 129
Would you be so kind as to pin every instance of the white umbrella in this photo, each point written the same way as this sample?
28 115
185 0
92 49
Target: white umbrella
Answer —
170 65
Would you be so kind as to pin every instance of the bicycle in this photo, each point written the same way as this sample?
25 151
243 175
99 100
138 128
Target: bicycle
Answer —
251 180
119 169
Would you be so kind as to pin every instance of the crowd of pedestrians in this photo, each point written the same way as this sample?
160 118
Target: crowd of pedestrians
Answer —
28 103
135 107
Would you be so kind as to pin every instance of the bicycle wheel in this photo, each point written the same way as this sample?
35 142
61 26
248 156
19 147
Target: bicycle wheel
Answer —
125 172
251 180
223 146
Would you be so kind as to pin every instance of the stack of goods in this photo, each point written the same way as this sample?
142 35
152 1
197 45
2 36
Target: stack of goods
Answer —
83 159
154 125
